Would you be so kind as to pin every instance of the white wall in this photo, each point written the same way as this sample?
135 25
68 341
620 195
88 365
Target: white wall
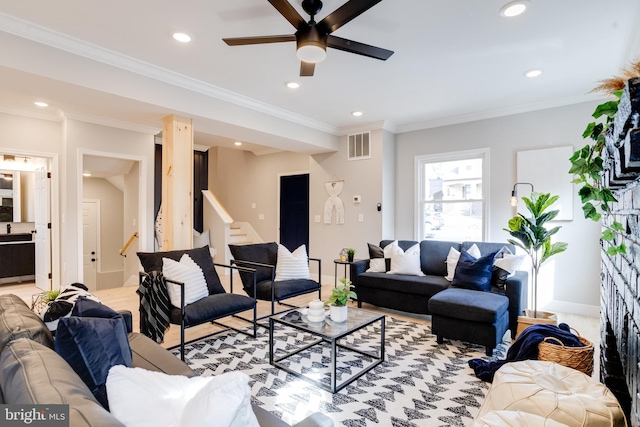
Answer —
240 178
84 138
110 263
577 270
361 177
132 222
38 138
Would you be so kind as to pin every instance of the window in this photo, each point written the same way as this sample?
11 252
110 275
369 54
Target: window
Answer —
450 196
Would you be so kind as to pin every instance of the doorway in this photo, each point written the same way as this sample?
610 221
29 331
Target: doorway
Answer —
35 204
294 211
118 182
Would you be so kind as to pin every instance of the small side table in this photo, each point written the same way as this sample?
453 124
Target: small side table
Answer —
337 262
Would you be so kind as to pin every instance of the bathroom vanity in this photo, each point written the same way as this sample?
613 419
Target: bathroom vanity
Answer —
17 255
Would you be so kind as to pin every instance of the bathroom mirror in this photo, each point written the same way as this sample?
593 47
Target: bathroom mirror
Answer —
9 188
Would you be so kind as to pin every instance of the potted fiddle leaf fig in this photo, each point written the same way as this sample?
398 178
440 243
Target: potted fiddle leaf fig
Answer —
340 296
531 234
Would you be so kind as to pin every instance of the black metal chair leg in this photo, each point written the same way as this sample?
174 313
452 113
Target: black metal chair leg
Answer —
182 341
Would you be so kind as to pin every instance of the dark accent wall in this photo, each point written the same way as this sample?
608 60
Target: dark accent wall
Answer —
200 182
620 293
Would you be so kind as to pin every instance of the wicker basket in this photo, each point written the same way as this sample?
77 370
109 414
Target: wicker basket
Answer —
552 349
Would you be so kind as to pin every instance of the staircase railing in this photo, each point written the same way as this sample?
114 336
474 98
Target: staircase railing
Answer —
129 242
218 221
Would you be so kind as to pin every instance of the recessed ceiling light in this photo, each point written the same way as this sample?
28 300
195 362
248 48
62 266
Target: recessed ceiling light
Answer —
86 174
533 73
514 8
356 113
237 143
292 85
182 37
41 104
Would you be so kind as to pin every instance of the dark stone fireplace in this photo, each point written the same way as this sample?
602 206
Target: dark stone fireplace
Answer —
620 293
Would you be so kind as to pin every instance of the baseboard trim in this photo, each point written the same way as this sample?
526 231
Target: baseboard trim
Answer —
572 308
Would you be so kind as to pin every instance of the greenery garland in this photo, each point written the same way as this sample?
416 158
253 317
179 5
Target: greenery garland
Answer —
587 165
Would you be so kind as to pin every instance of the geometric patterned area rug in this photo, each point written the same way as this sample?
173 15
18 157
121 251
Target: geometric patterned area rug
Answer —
420 383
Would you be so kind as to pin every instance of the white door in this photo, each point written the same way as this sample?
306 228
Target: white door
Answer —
43 232
90 243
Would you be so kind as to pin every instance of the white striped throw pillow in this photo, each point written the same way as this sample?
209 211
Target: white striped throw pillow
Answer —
291 266
187 272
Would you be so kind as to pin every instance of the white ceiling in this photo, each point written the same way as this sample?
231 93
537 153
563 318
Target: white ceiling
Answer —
455 60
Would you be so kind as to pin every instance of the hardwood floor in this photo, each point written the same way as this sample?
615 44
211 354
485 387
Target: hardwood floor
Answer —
125 298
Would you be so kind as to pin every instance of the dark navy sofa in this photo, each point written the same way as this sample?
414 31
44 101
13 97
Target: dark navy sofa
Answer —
413 293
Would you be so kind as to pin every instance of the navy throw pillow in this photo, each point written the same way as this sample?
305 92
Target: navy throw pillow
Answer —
472 273
88 308
91 346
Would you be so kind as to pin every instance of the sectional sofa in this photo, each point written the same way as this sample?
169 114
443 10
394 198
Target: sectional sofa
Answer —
413 293
31 372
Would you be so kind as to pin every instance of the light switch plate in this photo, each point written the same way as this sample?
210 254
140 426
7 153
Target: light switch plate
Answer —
260 216
316 218
360 217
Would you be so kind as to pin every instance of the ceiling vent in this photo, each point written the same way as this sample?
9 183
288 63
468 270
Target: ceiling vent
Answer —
359 146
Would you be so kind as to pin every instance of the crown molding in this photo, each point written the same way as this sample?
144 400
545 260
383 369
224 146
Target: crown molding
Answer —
118 124
498 112
30 112
381 124
57 40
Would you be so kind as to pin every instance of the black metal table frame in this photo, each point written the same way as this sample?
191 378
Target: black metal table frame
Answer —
334 387
347 264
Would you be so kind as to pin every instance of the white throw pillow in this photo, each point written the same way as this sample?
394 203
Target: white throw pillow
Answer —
292 265
202 239
454 256
379 265
510 263
407 262
141 398
391 248
189 273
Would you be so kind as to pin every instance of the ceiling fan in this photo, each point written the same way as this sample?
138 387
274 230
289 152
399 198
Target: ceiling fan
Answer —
313 38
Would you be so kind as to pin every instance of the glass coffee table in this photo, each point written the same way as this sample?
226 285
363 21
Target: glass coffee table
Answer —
334 336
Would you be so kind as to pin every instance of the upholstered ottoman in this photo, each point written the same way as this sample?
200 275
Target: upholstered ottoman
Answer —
514 419
552 391
473 316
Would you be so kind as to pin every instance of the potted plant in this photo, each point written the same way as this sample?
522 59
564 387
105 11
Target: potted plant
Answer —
531 234
338 300
350 253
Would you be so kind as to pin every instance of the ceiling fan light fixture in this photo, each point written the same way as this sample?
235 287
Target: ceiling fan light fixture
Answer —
311 52
311 46
514 8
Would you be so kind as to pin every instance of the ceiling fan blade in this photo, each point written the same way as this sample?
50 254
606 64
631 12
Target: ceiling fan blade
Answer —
344 14
307 68
289 13
239 41
358 48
